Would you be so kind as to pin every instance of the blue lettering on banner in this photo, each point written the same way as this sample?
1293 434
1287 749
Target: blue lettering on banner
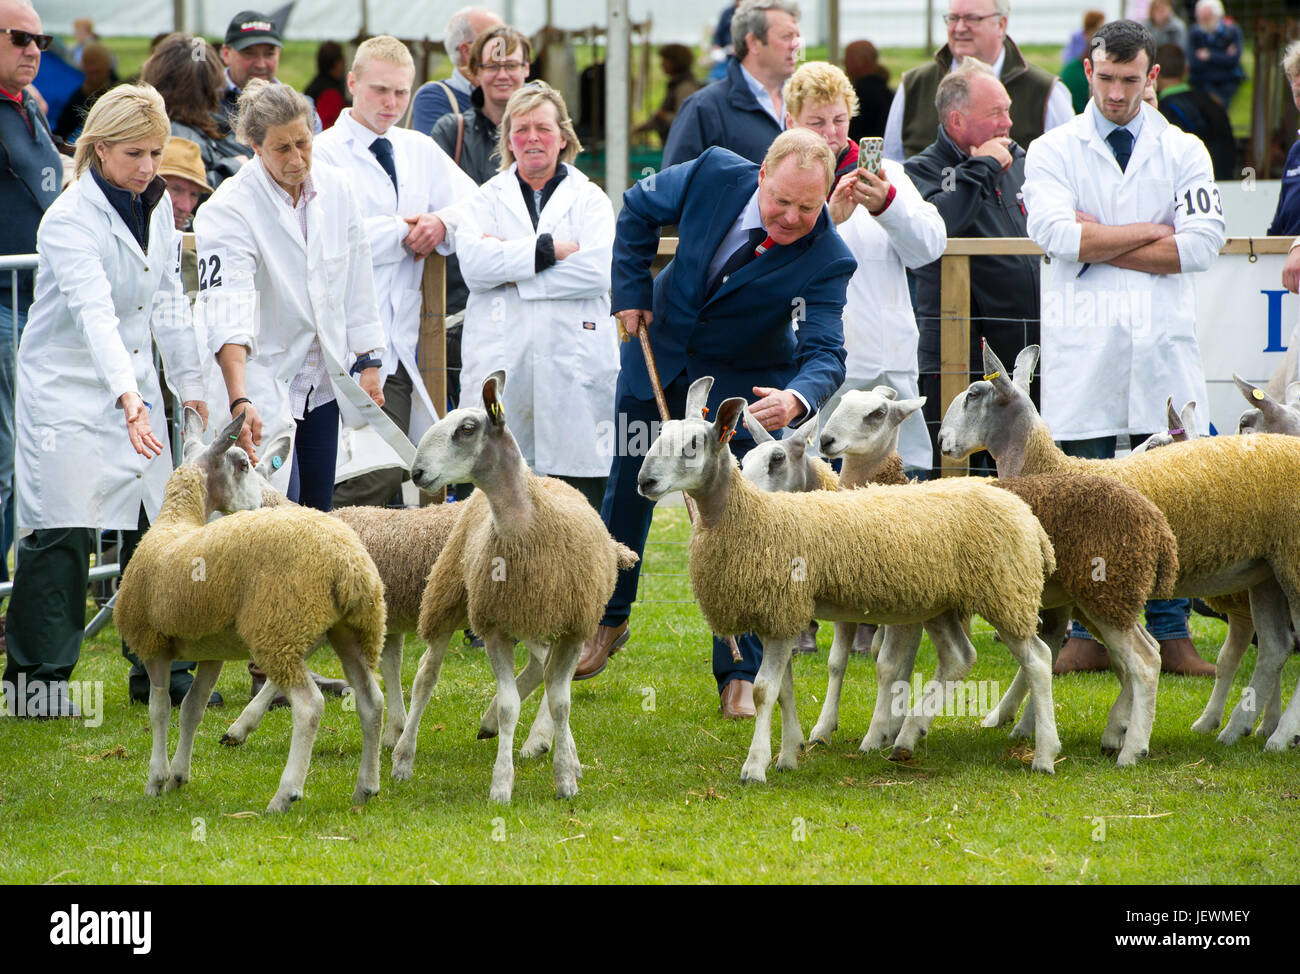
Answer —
1274 320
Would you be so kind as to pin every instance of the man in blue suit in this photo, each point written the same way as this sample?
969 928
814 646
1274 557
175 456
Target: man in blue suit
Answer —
754 298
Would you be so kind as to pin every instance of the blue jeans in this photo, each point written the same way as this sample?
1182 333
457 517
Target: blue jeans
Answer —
315 455
7 367
1166 618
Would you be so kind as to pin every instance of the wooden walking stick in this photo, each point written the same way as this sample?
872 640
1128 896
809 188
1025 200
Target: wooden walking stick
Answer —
662 403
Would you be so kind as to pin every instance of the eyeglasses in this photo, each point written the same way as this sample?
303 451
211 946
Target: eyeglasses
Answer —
496 67
22 38
970 20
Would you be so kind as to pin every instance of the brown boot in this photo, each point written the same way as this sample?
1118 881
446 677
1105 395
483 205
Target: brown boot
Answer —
597 650
1081 656
737 701
862 639
807 641
1180 656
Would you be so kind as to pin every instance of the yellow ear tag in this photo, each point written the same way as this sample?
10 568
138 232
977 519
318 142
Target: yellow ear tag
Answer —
497 412
1258 394
991 376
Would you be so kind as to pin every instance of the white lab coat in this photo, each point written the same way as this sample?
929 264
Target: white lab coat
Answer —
262 286
87 341
1117 343
429 182
880 334
551 332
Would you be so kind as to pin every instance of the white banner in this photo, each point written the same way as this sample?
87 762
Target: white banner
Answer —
1245 321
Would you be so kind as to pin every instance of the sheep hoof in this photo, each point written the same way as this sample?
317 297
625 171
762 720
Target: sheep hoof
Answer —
486 733
1044 766
1205 726
390 739
153 787
753 772
566 790
787 763
402 772
1109 750
281 803
900 754
179 779
534 750
230 740
994 719
500 795
362 795
1230 734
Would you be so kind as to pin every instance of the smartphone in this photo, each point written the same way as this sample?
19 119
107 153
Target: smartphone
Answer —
870 151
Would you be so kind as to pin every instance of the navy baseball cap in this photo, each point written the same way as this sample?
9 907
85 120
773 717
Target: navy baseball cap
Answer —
250 27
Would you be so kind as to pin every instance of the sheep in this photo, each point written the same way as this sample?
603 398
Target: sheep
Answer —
262 583
766 563
528 559
1182 426
1266 414
1233 503
1114 550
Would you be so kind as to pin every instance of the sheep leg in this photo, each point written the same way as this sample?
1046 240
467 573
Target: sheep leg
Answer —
1112 737
1036 659
1138 653
390 665
1235 644
1055 623
1272 714
787 759
542 734
307 704
370 706
767 686
528 680
250 718
1287 731
192 709
894 665
1269 609
501 654
956 657
159 669
835 665
426 678
561 661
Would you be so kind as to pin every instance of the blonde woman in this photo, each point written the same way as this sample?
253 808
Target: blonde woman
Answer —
535 246
93 452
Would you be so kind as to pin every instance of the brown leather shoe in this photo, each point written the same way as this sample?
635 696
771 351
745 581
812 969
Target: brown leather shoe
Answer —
1180 656
807 641
597 650
737 700
1081 656
862 639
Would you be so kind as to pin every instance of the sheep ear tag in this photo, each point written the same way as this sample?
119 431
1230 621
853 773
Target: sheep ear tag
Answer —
729 414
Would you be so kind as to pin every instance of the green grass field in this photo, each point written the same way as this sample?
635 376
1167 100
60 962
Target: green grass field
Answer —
660 799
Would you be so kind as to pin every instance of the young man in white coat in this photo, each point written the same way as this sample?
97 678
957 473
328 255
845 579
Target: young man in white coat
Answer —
1126 207
400 178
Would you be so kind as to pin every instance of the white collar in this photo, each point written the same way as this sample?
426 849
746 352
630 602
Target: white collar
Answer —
361 134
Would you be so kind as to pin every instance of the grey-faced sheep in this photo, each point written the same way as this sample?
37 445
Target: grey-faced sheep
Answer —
1182 426
528 559
1233 503
266 584
1113 549
766 563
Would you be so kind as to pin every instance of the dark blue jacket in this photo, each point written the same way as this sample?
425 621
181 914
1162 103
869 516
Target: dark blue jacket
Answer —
725 113
1286 221
1222 68
31 175
743 335
430 104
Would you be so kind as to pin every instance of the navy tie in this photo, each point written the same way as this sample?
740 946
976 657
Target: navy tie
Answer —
739 258
383 150
1121 143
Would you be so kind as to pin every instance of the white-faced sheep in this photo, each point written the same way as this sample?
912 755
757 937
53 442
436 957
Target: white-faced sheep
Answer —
1232 502
1182 426
528 559
1113 548
767 563
269 584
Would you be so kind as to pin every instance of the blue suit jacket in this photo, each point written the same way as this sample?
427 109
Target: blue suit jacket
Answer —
743 336
726 114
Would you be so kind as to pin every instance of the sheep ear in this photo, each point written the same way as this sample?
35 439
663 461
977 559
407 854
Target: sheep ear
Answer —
1023 374
807 431
1292 393
228 436
729 414
996 373
889 392
1171 415
192 437
493 386
1187 419
274 457
755 428
991 362
1256 396
905 407
697 396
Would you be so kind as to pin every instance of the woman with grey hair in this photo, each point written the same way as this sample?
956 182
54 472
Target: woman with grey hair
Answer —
535 246
1214 47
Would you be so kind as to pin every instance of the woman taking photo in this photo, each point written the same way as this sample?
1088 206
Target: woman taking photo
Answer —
287 297
94 452
535 247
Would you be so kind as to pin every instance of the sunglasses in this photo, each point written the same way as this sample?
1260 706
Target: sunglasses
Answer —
22 38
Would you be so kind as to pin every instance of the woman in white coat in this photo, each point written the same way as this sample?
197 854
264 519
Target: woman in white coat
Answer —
535 246
889 228
93 454
287 298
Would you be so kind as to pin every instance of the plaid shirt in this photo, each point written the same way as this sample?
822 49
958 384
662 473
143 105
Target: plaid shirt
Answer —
311 386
